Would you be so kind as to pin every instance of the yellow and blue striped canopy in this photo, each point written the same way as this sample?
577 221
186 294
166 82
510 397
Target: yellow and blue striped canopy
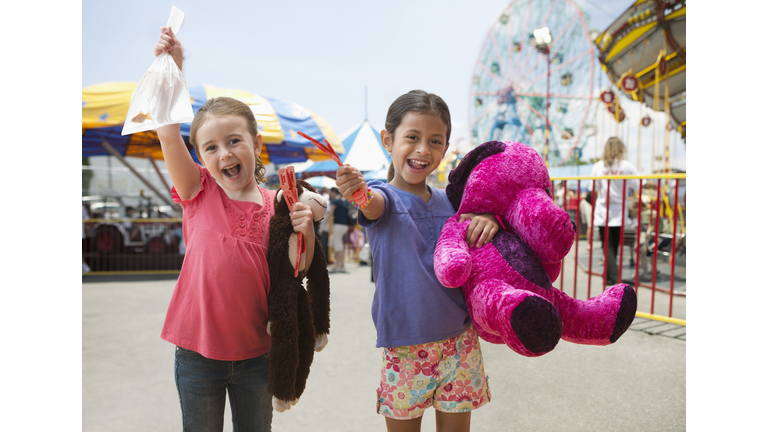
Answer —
105 107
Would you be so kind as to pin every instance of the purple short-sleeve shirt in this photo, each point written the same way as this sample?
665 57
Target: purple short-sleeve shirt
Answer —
410 306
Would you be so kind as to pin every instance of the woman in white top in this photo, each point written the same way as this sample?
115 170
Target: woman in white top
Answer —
613 164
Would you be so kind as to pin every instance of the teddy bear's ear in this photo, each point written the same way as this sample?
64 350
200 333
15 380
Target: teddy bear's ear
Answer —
458 177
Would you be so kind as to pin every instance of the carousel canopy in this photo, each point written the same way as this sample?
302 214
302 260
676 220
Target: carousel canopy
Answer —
105 107
633 46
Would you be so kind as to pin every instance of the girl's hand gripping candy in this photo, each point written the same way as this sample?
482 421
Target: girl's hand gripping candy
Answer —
290 194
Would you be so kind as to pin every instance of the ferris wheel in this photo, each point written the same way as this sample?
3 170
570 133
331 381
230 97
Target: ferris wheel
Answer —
511 83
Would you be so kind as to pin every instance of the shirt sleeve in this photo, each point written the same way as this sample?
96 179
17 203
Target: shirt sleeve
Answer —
205 177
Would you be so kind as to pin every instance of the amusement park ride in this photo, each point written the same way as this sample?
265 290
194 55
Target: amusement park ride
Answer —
536 54
534 80
643 53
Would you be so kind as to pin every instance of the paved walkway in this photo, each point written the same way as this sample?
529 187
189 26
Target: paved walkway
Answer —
637 384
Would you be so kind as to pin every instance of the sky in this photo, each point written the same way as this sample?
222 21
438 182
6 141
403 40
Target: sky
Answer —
319 54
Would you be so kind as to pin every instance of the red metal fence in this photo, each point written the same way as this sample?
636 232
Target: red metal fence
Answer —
655 242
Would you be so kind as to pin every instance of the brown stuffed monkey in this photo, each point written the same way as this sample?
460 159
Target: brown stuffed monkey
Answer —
299 319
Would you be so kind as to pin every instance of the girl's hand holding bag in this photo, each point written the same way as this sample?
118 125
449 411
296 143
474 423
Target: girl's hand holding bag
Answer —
161 97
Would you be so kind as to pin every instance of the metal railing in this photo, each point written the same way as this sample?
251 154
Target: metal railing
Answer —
660 233
142 246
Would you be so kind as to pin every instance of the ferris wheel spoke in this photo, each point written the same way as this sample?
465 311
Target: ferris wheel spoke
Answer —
540 115
549 11
480 117
509 42
530 131
581 126
555 96
562 32
560 66
492 75
498 58
524 46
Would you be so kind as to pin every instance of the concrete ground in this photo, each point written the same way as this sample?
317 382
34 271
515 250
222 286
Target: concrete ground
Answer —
637 384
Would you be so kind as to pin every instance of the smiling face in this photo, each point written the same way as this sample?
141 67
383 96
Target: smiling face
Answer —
417 146
229 151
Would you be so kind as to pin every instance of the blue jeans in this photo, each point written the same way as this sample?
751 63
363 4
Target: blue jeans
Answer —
203 384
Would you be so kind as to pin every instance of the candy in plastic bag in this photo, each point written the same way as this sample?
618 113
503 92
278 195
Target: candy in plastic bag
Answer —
161 97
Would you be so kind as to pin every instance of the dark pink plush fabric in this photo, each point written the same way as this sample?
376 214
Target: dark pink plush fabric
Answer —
507 283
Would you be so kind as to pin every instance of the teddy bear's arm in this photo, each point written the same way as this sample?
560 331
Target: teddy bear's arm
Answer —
452 261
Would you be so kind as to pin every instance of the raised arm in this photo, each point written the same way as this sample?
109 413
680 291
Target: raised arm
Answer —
181 167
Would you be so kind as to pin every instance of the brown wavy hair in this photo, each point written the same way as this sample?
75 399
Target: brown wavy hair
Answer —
226 106
614 151
420 102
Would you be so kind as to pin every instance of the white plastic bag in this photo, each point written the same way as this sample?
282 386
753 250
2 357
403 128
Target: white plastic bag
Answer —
162 96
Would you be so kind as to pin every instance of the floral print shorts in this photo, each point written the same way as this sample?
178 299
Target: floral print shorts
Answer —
447 375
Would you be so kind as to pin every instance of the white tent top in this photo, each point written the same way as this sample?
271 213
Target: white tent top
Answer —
362 150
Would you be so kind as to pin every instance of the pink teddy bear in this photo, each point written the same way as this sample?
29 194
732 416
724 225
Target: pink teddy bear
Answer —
507 283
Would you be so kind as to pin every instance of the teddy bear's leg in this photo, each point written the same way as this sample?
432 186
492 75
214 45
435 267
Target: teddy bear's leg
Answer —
306 343
528 323
481 331
284 350
600 320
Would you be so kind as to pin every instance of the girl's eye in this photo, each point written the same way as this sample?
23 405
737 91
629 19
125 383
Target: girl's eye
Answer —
413 137
234 141
209 148
436 142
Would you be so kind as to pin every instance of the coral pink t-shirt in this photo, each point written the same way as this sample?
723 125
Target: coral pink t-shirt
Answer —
219 305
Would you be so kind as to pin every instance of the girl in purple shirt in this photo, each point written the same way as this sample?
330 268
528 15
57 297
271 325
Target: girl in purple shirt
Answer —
431 353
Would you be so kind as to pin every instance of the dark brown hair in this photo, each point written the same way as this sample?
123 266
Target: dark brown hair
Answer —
420 102
226 106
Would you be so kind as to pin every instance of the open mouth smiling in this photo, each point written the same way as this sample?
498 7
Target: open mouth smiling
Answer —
231 171
417 165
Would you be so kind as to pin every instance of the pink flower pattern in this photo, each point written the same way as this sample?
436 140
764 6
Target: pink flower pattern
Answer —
448 375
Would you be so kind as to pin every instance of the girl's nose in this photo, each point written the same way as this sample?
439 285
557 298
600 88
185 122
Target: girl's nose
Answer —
421 148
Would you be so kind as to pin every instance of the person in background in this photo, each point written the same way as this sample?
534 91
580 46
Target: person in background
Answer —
613 164
338 230
325 224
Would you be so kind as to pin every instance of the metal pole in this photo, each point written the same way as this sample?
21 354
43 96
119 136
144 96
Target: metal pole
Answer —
674 243
165 183
546 127
114 153
578 230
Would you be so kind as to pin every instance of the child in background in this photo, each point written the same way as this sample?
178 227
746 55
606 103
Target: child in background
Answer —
431 352
217 316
